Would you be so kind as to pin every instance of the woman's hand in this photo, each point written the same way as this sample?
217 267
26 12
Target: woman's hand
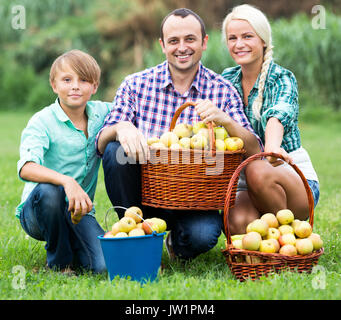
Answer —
276 161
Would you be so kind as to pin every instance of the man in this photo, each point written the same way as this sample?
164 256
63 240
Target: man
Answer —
144 106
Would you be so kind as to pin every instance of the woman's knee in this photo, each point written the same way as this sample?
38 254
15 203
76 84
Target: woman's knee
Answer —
258 175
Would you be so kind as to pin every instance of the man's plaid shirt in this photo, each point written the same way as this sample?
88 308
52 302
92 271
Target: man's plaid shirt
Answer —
148 100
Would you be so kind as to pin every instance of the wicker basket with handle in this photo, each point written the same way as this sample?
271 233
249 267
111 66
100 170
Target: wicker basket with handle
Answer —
260 263
189 179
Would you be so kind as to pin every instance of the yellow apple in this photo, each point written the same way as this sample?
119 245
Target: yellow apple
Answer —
271 219
303 230
220 133
267 246
285 216
288 250
238 244
169 138
158 145
108 235
183 130
295 223
121 235
162 225
198 141
304 246
137 232
234 143
220 145
287 238
276 244
185 142
198 125
273 233
149 226
316 241
175 146
152 140
126 224
248 228
115 228
135 213
260 226
237 237
251 241
285 228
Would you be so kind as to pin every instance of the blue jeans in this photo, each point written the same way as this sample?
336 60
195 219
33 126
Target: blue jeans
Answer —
193 232
45 217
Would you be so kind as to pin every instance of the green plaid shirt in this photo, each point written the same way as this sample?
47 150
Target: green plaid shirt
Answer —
280 100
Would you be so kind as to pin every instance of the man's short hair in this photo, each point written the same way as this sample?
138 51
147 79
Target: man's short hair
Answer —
184 12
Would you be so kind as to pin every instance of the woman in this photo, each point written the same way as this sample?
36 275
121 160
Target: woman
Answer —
270 97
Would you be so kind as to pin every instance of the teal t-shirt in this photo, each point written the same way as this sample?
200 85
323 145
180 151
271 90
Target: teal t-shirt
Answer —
51 140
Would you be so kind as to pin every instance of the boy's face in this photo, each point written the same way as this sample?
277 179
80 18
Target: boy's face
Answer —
73 92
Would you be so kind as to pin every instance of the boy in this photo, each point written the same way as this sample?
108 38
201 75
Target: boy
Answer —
59 164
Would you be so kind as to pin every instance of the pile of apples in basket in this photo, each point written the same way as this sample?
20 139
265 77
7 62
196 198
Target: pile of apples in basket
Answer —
196 136
279 233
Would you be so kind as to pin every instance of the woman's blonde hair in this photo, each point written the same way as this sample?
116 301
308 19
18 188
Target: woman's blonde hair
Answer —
83 64
261 25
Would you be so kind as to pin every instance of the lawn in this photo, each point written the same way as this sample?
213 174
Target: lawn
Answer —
206 277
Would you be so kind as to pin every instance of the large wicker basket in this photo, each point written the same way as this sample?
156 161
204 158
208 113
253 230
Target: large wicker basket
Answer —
189 179
259 263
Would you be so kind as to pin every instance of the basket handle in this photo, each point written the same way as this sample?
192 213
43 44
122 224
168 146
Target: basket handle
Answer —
209 124
236 176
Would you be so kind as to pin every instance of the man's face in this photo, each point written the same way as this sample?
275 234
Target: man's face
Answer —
182 43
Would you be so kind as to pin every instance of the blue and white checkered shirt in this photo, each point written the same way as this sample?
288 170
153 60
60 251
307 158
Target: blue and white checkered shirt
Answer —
149 100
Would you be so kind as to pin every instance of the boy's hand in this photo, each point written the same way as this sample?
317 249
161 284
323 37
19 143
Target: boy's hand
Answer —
79 201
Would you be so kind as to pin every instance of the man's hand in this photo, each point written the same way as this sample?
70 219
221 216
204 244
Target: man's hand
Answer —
210 112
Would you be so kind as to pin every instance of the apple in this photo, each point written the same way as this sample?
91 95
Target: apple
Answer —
137 232
126 224
271 220
139 225
303 230
198 125
158 145
169 138
267 246
304 246
273 233
185 142
108 235
152 140
135 213
316 240
220 145
149 226
260 226
251 241
285 216
287 238
162 225
220 133
295 223
115 228
237 237
234 143
288 250
121 235
198 141
175 146
237 243
183 130
248 228
276 244
285 228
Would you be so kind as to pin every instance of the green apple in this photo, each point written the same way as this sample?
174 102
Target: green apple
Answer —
234 143
183 130
238 244
316 241
285 228
220 145
287 238
198 125
260 226
267 246
237 237
126 224
303 230
304 246
169 138
251 241
199 141
271 220
162 225
285 216
185 142
135 213
273 233
288 250
220 133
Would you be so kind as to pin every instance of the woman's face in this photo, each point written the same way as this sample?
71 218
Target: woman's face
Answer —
245 46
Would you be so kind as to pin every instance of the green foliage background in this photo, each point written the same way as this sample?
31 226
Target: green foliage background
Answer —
122 36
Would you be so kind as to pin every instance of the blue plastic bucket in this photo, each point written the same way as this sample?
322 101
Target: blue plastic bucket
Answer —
136 257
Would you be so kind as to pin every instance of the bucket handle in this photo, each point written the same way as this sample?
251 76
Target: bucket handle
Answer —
119 207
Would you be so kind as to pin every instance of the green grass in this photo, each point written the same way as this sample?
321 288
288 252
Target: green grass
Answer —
207 276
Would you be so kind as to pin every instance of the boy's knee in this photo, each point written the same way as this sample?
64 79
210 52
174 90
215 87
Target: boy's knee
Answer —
51 197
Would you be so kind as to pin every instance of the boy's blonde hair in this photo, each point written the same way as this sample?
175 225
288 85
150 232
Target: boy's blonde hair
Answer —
261 25
85 66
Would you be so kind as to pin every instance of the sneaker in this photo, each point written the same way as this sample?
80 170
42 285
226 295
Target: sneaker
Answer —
169 247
